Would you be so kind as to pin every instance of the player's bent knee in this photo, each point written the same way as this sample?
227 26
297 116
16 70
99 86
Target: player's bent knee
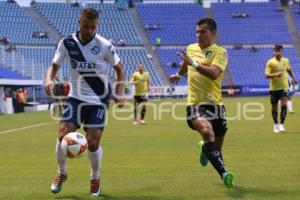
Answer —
93 145
201 124
208 137
64 129
204 127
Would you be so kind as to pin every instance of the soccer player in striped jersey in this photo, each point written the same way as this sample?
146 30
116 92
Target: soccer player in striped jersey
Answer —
205 63
90 57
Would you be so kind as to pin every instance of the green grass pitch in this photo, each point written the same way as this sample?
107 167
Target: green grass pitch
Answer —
158 161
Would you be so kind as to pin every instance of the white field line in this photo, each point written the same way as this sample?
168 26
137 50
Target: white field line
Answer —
25 127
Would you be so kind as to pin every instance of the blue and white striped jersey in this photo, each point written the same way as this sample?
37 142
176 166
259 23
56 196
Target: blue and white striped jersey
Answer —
90 65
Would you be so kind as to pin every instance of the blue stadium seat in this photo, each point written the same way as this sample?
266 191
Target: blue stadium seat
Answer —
18 26
10 74
33 62
246 67
264 25
177 21
115 24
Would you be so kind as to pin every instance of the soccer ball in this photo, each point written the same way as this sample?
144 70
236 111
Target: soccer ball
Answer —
74 145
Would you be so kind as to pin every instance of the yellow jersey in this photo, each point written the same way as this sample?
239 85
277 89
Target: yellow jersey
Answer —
142 87
273 66
202 89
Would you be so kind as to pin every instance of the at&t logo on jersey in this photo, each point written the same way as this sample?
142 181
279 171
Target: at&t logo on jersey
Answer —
82 65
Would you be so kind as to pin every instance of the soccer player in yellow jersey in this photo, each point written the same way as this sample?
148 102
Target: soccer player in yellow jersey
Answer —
141 80
205 63
277 70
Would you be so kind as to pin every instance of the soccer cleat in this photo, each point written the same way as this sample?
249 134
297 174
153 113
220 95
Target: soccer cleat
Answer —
95 187
276 128
281 128
58 183
291 112
135 121
143 122
203 159
228 179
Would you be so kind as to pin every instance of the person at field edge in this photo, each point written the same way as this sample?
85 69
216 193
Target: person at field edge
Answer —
292 90
90 57
141 80
205 63
21 98
277 70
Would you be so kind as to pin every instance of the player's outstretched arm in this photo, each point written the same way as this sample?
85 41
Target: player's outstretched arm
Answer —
120 84
182 70
212 72
49 79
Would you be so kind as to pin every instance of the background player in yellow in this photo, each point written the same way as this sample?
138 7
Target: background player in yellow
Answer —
277 70
205 63
141 80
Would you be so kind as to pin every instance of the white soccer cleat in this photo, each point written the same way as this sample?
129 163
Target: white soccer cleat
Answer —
281 128
95 187
58 183
143 122
135 122
276 128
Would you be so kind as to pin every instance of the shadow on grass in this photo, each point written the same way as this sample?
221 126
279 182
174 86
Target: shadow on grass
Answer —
107 197
73 197
291 132
240 192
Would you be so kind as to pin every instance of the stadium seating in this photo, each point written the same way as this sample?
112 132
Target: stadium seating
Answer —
9 74
18 26
176 27
33 62
246 67
296 15
115 24
30 62
167 56
177 21
263 26
132 57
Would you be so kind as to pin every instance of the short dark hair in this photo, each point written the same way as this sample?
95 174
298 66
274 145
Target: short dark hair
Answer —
90 13
211 23
278 47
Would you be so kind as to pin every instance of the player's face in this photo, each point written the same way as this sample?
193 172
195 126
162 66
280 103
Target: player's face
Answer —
140 68
87 28
205 37
278 54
